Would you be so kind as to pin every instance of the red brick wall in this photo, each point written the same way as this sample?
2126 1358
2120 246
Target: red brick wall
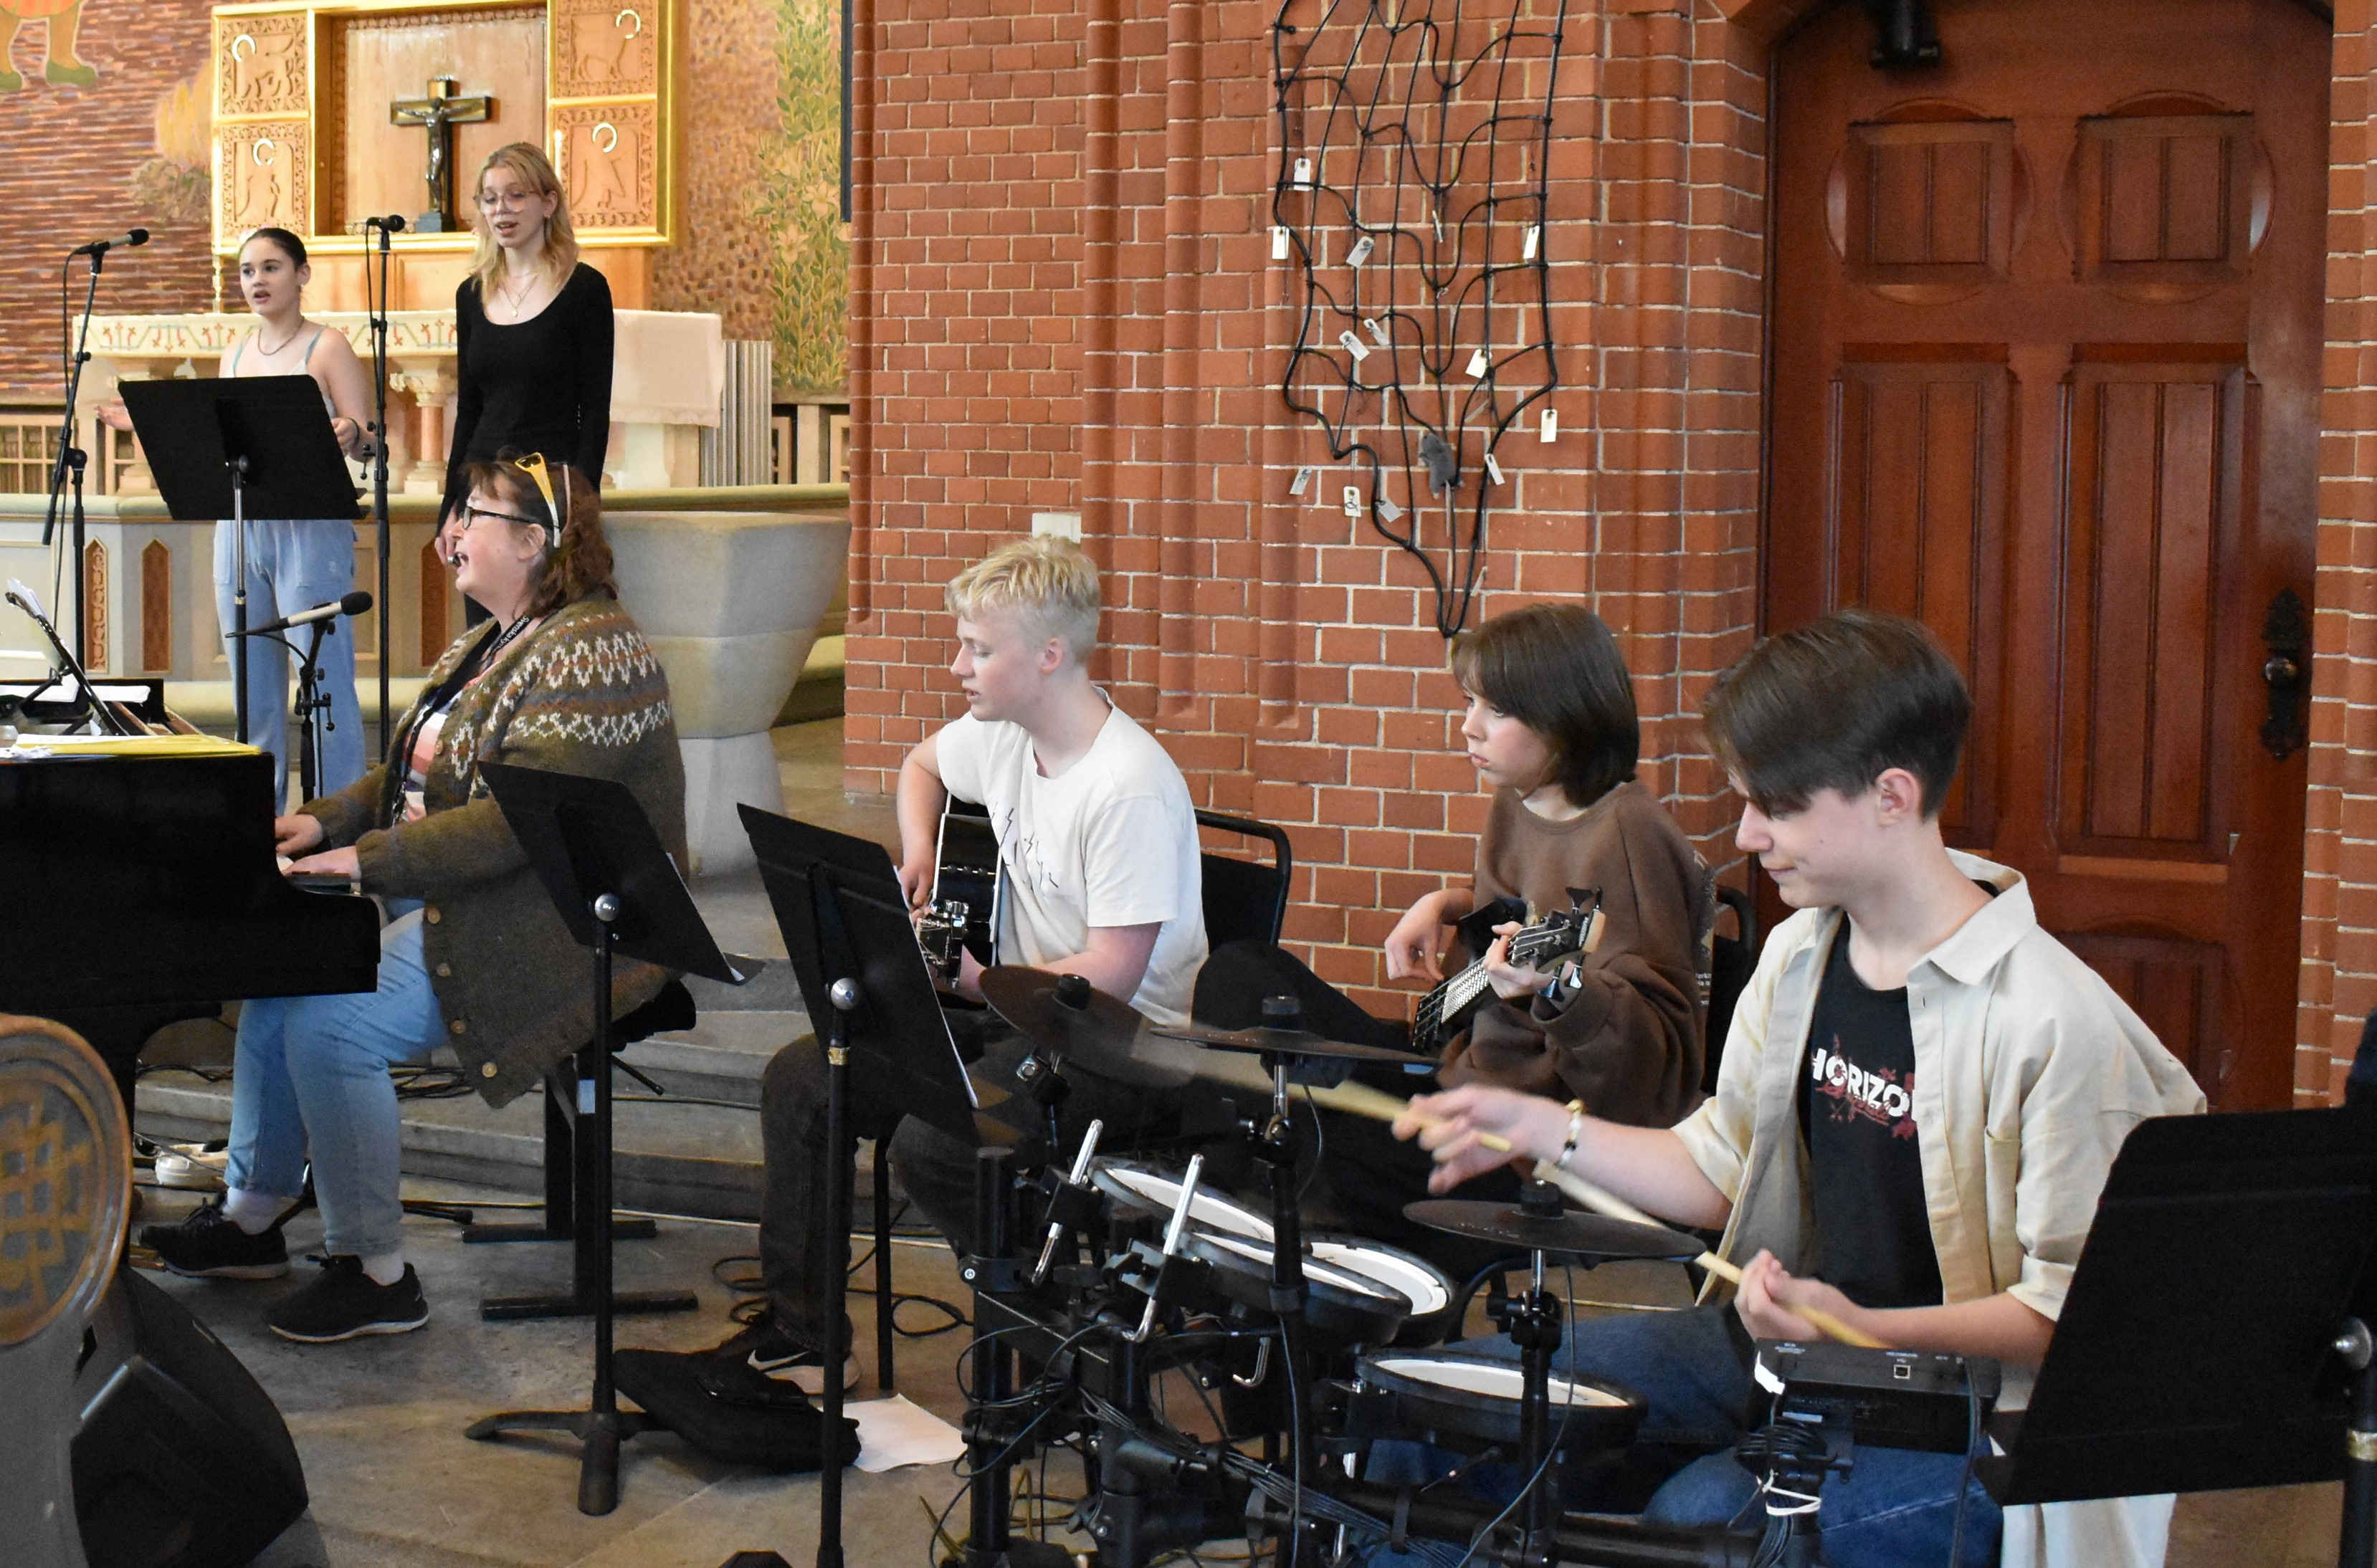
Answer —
2339 932
69 158
1064 301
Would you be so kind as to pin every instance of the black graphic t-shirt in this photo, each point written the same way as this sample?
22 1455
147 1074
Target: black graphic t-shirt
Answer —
1856 1109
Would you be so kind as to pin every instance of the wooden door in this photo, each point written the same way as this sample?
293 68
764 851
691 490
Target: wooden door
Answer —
2045 371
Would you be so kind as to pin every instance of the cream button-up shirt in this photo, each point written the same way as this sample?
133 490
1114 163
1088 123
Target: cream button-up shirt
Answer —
2029 1073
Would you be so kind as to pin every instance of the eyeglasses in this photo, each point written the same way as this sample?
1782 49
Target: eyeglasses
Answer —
470 515
507 201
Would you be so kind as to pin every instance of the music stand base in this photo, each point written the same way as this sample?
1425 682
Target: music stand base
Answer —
599 1434
508 1309
484 1235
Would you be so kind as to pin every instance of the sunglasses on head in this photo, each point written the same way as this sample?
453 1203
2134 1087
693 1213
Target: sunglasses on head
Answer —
533 466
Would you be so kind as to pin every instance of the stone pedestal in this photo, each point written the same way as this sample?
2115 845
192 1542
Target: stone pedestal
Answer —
731 602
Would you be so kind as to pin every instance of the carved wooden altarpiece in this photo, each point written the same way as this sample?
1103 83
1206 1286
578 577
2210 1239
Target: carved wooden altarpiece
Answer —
304 139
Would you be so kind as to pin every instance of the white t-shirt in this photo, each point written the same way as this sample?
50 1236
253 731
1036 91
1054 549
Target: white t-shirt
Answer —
1110 841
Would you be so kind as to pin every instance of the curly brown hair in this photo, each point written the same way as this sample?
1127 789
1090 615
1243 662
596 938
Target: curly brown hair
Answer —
581 567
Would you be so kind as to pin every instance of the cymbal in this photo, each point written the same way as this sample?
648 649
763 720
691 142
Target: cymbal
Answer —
1286 1042
1068 1015
1570 1230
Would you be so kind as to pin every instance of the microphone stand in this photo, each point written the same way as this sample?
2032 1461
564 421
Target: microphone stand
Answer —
71 457
376 305
312 707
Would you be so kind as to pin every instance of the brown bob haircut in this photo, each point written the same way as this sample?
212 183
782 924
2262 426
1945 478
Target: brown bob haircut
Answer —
1556 668
1835 704
580 566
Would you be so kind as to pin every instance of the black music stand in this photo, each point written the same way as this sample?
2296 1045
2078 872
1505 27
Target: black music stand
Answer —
233 447
2216 1333
614 887
847 930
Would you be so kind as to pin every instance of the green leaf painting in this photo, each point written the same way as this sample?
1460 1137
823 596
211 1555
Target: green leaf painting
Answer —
797 202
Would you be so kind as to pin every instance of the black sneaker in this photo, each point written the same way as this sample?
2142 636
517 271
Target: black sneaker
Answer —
344 1302
211 1245
773 1351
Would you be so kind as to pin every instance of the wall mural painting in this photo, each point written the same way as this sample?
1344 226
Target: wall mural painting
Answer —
173 184
63 66
126 84
798 203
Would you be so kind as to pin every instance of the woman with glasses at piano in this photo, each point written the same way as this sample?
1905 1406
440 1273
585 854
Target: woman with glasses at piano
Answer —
292 563
532 336
473 956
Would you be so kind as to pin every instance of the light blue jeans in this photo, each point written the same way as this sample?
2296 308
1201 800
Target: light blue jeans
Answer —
294 566
310 1072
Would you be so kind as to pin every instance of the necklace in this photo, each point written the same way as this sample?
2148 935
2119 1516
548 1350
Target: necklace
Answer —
274 353
516 299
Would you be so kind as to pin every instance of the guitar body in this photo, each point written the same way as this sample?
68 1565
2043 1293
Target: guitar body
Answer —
967 889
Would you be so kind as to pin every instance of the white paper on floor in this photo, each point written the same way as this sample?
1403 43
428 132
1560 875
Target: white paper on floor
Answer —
893 1432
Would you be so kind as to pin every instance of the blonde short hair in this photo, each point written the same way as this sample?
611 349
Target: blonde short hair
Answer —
1045 582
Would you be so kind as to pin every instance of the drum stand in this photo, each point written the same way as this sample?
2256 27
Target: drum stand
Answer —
1275 1143
1045 1075
1535 1324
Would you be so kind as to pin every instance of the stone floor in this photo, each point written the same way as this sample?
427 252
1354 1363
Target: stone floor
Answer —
378 1423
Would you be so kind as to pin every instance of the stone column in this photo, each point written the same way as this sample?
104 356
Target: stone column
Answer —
429 385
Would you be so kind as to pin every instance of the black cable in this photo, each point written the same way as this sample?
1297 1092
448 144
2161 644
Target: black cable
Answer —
1560 1440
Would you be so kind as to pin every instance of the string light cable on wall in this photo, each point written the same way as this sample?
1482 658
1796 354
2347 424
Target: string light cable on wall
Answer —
1412 205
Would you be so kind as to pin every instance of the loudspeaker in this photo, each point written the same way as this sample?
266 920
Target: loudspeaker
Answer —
180 1459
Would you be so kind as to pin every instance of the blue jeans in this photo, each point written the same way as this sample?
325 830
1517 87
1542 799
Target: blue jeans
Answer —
294 566
310 1072
1898 1507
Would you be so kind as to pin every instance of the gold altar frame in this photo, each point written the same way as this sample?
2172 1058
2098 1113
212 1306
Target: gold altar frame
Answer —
255 115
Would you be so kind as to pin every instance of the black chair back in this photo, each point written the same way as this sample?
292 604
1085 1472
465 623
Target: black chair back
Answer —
1731 960
1244 900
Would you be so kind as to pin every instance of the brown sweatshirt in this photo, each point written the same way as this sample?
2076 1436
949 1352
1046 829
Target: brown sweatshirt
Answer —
1628 1040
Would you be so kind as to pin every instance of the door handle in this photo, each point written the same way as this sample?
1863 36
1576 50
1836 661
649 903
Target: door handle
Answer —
2286 631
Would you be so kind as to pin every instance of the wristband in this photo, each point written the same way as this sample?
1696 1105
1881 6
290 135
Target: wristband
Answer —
1575 1133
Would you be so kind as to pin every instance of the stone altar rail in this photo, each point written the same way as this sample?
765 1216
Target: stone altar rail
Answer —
668 369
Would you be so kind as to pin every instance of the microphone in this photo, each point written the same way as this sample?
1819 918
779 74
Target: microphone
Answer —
120 242
354 603
393 223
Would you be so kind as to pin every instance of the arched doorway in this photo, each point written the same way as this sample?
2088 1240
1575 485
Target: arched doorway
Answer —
2045 371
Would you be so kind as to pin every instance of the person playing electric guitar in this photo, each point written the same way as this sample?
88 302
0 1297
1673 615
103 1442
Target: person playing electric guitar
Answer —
1550 727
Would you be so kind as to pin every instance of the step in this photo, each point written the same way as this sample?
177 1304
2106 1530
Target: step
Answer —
697 1158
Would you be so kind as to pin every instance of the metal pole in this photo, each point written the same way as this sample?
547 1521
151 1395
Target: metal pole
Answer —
379 467
839 1157
239 612
598 1479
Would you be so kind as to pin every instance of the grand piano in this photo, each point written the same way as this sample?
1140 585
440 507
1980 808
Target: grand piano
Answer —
136 890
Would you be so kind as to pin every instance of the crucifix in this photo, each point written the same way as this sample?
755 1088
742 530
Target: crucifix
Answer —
438 114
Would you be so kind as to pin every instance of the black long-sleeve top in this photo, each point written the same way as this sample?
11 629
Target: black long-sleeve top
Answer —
542 384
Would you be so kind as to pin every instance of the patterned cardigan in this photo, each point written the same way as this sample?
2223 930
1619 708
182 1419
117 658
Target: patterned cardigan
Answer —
581 694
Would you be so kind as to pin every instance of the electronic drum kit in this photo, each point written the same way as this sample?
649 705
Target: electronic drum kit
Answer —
1322 1346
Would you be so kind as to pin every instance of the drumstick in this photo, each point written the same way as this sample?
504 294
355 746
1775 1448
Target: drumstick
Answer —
1360 1099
